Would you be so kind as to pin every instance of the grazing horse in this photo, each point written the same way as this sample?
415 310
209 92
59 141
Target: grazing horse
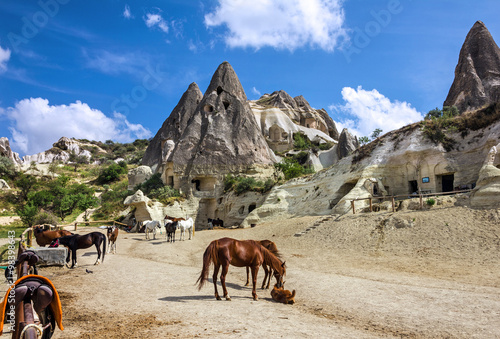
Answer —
151 226
76 242
271 246
170 228
226 251
44 238
112 232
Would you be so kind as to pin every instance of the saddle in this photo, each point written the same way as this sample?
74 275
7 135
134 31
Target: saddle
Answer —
38 289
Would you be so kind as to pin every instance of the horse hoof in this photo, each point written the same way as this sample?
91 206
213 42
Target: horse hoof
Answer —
255 298
228 299
218 298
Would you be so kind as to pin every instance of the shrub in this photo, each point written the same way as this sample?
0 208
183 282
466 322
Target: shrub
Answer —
301 141
112 173
430 202
7 168
292 169
44 217
244 184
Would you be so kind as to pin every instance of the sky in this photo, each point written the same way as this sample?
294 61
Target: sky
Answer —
114 70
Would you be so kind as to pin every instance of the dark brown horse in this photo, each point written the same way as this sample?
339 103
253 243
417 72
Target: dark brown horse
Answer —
271 246
245 253
76 242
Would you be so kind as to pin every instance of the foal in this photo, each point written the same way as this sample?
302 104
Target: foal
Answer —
112 232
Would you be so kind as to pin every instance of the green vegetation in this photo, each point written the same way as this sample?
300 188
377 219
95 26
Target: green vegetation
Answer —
437 123
154 188
292 168
430 202
112 201
364 140
112 173
244 184
376 133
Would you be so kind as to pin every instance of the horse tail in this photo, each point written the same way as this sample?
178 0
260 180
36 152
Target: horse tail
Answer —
103 246
211 255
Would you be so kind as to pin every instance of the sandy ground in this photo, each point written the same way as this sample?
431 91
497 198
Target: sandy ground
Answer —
414 274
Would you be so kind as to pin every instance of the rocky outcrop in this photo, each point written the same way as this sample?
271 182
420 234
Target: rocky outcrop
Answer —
138 175
5 151
299 111
168 135
477 75
347 144
61 151
4 185
487 191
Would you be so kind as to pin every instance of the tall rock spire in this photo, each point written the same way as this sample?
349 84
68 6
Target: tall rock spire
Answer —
174 125
477 75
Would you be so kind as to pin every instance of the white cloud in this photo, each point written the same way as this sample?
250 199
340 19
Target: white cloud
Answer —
36 125
281 24
4 58
126 12
116 63
366 111
155 20
256 91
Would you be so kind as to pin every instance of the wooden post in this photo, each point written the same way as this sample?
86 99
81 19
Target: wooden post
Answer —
393 205
421 201
371 208
353 209
76 225
30 238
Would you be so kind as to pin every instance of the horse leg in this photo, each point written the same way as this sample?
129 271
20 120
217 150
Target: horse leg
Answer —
248 273
109 246
73 258
266 273
190 231
67 258
225 268
255 270
269 277
214 278
98 247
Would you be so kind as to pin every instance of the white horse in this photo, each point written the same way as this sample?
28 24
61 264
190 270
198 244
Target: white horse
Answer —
186 225
151 226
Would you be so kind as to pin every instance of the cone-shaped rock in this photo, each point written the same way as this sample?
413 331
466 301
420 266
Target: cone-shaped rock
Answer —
170 132
222 135
477 75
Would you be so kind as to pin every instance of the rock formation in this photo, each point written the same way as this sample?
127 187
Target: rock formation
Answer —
61 151
5 151
173 127
347 144
477 75
138 175
487 192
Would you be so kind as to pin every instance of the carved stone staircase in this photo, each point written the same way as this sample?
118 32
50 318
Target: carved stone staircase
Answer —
317 224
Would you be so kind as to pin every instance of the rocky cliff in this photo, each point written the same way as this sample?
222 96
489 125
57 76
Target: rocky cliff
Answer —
477 75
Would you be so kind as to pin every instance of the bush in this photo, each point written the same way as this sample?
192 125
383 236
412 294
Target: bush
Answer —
244 184
151 184
7 168
45 218
112 173
301 141
430 202
292 169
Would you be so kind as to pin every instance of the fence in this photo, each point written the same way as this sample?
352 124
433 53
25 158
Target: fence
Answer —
393 198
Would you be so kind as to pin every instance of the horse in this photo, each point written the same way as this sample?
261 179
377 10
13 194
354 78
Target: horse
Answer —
112 232
44 238
76 242
215 222
271 246
246 253
151 226
283 296
183 225
170 228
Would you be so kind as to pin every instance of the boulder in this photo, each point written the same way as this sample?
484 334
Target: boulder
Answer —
347 144
487 191
477 75
138 175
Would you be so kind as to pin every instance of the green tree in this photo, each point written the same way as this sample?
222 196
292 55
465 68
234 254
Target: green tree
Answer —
25 183
112 173
27 213
7 168
376 133
78 160
364 140
86 201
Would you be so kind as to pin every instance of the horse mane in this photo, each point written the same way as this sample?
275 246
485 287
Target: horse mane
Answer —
271 260
271 246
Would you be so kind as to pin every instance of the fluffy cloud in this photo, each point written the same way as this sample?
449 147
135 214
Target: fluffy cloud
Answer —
36 125
281 24
364 111
4 58
155 20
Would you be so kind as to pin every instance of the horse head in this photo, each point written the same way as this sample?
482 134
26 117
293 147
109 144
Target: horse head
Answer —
280 276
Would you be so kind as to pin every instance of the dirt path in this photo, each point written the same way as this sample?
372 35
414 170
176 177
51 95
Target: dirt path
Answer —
438 278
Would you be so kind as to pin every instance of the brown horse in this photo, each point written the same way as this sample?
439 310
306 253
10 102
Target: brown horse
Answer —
45 237
76 242
246 253
271 246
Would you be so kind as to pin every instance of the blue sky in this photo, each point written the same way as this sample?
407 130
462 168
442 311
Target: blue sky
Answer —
112 69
